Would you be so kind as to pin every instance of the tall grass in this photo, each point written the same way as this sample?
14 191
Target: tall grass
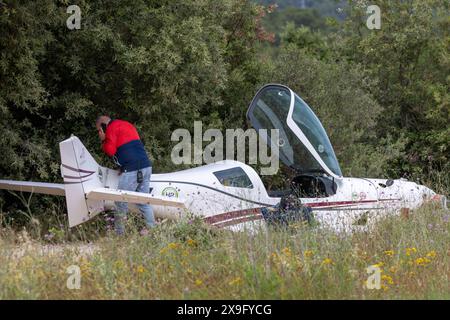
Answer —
189 260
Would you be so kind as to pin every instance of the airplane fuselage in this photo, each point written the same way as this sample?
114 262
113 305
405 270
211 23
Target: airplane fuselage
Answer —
340 206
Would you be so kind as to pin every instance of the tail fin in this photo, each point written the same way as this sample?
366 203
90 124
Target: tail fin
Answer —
90 188
81 174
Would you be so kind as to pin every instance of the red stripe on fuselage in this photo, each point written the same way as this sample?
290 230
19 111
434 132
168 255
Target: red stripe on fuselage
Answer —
231 215
343 203
241 216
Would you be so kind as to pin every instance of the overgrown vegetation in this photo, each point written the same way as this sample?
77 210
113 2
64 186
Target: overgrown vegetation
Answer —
189 260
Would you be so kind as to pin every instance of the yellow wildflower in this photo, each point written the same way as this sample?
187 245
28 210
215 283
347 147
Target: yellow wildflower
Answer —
235 282
172 245
387 278
389 253
287 252
140 269
274 256
308 253
379 264
191 242
409 251
422 261
327 261
198 282
384 287
431 254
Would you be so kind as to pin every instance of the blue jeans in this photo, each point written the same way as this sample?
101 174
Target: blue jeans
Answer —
128 181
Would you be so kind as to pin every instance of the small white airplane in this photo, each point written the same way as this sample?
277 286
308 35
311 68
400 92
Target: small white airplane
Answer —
230 194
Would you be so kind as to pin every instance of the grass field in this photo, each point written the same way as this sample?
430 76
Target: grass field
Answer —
191 261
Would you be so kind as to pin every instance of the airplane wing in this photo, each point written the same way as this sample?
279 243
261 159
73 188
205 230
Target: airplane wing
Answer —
56 189
132 197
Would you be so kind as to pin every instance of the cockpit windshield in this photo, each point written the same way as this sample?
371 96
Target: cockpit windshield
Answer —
303 143
311 127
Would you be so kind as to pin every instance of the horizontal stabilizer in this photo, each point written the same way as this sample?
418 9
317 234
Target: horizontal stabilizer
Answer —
56 189
132 197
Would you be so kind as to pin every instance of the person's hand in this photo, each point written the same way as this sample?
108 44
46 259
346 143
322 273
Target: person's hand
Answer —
101 135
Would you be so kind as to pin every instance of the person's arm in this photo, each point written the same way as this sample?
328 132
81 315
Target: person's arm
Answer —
109 145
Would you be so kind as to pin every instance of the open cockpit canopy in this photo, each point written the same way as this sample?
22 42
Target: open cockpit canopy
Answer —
303 142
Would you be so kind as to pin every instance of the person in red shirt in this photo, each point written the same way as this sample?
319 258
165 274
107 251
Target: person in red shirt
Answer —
121 141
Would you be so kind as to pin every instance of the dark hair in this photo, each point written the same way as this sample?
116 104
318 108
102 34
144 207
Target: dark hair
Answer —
100 116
